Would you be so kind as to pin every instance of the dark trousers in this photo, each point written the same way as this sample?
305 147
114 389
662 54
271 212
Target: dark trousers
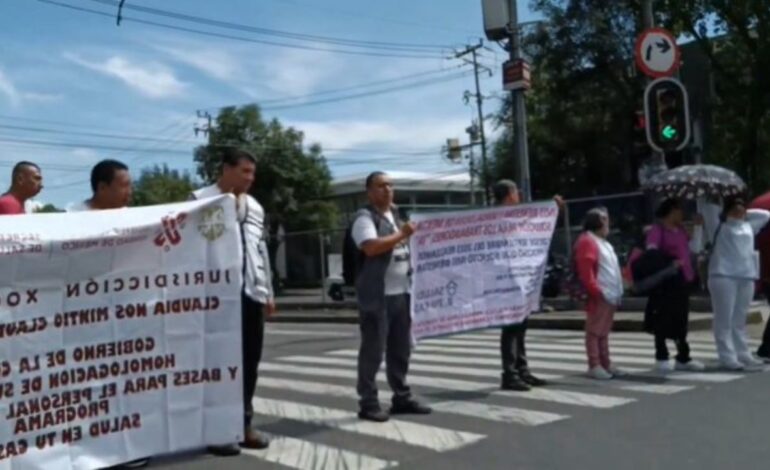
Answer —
253 335
385 333
764 348
682 349
513 350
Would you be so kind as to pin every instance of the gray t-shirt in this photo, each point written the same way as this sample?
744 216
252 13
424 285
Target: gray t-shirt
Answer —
397 274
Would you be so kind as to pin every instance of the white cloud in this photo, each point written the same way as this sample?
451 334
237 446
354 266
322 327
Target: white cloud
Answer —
152 80
16 96
298 72
9 90
216 63
396 135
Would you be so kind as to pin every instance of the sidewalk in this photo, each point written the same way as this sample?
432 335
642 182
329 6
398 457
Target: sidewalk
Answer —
307 306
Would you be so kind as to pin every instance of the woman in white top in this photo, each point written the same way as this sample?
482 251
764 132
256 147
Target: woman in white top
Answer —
733 270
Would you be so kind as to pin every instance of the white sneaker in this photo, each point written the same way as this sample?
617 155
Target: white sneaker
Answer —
617 372
664 367
599 373
731 366
751 363
692 366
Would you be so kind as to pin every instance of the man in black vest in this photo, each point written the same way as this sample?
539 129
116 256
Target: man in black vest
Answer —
383 287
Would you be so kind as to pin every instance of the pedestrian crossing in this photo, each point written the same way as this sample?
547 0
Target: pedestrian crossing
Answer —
308 403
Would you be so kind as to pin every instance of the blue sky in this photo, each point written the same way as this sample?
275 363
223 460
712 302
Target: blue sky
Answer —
67 75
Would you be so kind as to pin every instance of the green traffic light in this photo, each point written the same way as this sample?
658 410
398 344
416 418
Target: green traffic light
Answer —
669 133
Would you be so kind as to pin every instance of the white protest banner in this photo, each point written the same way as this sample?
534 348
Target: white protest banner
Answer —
480 268
119 334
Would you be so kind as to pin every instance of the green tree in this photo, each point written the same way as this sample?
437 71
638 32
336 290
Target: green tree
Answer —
48 209
735 36
584 98
292 183
161 185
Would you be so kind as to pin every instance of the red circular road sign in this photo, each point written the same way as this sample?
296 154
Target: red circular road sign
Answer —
657 54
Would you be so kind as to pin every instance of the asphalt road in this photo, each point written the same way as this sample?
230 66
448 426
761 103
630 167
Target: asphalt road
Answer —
306 400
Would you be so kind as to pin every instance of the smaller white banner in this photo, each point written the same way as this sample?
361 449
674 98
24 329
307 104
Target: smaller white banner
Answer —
478 269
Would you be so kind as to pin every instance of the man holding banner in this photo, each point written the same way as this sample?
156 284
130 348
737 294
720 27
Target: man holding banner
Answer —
483 268
516 374
236 177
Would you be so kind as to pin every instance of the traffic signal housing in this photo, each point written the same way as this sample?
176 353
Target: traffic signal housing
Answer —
667 115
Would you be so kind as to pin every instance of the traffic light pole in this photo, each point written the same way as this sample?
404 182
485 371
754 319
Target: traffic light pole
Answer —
648 21
519 109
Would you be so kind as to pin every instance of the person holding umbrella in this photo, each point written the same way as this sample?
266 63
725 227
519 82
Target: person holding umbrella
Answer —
733 270
763 246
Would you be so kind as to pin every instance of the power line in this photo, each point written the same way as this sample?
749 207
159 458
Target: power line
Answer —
368 94
277 33
90 134
241 38
349 88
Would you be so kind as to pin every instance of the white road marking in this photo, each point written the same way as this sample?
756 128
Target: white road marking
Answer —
306 455
404 432
503 414
539 394
338 361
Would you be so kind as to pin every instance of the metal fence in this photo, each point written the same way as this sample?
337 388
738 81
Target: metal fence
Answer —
313 259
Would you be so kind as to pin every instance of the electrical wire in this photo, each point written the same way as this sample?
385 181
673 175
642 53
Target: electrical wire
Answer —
244 39
276 33
368 94
349 88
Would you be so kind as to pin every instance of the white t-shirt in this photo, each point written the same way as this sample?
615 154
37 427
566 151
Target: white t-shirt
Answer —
397 274
609 276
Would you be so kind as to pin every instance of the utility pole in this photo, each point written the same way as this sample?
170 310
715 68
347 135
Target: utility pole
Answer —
473 50
519 110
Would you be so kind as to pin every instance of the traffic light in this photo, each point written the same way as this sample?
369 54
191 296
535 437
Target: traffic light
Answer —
667 115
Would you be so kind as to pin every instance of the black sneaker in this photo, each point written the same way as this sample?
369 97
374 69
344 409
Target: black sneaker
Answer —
515 383
532 381
230 450
410 407
764 357
376 415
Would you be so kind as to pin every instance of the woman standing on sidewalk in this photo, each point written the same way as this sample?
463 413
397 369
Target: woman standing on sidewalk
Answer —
599 272
733 270
668 307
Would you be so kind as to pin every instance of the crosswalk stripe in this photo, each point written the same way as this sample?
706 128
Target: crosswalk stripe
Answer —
539 394
503 414
306 455
536 346
483 372
331 334
404 432
657 389
337 361
574 356
704 347
710 377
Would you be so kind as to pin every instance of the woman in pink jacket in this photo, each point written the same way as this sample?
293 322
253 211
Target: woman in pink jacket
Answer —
599 272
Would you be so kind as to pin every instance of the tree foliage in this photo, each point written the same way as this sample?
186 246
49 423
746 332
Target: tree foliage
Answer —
585 94
161 185
586 90
735 36
292 183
